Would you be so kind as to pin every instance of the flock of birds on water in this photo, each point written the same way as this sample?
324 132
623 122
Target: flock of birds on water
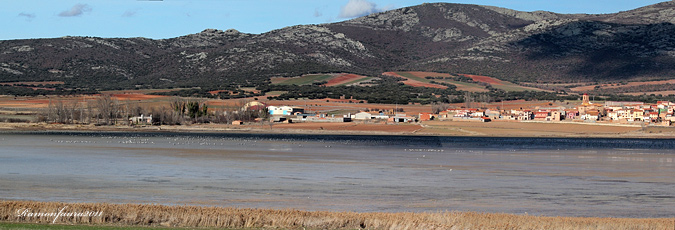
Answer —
178 140
290 142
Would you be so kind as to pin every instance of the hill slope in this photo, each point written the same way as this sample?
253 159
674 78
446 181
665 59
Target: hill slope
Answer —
483 40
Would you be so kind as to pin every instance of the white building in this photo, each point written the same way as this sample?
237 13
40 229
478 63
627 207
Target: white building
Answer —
141 119
363 116
284 110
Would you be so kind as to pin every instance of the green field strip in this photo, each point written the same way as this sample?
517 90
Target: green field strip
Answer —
413 77
355 81
307 79
465 84
515 88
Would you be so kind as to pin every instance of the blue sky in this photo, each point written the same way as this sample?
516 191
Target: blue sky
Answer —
172 18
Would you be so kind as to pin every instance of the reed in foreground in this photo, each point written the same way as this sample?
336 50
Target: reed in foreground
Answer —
223 217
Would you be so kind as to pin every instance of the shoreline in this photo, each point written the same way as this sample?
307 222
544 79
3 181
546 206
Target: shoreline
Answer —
433 128
152 215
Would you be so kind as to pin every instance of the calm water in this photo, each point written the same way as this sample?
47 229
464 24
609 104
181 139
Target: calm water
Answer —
566 177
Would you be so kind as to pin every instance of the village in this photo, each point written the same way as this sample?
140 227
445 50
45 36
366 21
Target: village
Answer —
610 112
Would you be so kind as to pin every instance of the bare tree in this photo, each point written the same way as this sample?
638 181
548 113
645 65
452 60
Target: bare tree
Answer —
439 107
60 112
484 100
165 116
468 99
179 105
88 114
136 110
108 109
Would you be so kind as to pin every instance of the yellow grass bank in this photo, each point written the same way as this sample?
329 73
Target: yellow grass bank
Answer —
191 216
204 217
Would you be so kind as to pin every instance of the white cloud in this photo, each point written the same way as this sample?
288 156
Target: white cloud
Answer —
29 17
358 8
76 10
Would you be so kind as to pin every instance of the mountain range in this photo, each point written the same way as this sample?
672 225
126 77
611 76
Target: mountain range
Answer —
511 45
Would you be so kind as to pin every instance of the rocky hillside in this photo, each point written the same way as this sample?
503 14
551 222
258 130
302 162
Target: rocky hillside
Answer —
507 44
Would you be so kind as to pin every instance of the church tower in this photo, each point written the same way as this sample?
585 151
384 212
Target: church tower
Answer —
585 100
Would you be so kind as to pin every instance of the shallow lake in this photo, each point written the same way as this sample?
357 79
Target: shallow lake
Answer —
538 176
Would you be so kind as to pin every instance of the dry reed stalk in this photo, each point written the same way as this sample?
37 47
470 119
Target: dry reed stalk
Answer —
192 216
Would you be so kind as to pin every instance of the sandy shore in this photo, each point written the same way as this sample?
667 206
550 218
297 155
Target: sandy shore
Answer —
429 128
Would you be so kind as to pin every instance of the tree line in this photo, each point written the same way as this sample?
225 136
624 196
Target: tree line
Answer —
106 110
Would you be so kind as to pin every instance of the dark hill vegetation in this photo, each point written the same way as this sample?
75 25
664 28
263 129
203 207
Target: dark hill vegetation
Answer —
453 38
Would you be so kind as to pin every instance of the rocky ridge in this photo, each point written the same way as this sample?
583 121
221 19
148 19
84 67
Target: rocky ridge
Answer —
504 43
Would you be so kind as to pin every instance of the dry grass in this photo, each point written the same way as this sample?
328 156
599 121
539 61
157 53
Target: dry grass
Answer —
191 216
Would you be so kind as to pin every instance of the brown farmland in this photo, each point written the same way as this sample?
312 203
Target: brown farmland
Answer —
39 102
343 78
489 80
414 83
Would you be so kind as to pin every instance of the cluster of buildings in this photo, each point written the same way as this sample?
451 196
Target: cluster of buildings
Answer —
660 113
297 114
640 113
288 114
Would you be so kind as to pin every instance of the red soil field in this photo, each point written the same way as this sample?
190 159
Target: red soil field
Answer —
415 83
343 78
489 80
